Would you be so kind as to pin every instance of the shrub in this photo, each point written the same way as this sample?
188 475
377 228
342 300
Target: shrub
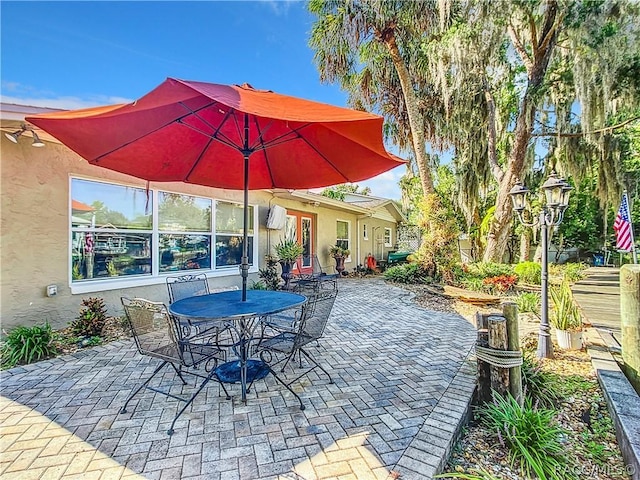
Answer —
473 283
92 318
27 344
528 302
500 284
406 273
572 272
489 269
269 275
529 272
259 285
531 434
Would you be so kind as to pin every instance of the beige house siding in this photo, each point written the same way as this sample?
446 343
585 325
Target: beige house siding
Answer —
35 234
35 237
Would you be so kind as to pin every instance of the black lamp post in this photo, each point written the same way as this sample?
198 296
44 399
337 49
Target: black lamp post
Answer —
557 192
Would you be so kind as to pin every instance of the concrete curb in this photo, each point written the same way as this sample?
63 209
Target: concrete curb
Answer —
623 403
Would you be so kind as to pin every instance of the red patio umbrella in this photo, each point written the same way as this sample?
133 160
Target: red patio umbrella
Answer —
226 136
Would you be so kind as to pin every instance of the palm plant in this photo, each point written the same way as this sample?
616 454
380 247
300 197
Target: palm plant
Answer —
288 249
565 314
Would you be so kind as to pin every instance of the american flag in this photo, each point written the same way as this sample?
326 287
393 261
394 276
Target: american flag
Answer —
622 226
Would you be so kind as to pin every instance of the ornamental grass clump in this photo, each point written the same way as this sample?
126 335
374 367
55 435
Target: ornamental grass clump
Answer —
532 435
538 384
528 302
565 314
92 318
24 345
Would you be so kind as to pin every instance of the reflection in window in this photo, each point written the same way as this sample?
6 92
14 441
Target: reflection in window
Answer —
387 237
97 204
104 254
184 252
116 233
230 218
103 220
342 234
229 250
229 224
184 213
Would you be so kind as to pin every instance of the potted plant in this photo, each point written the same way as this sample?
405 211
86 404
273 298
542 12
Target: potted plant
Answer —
339 254
287 251
565 317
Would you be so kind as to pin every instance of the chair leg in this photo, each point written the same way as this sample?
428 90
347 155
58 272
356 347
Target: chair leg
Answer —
316 364
146 382
179 373
190 400
287 387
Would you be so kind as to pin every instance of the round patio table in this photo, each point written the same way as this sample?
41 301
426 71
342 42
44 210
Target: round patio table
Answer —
242 317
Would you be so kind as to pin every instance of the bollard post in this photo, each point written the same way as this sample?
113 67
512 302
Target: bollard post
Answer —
498 341
484 372
510 312
630 320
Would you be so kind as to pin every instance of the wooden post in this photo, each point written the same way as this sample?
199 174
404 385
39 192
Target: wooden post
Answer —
484 373
510 312
630 320
498 341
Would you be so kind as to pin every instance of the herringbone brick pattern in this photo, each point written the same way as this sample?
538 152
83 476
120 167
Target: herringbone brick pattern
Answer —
402 385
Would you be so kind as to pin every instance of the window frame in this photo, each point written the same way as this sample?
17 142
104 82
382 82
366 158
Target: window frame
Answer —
388 230
156 277
348 239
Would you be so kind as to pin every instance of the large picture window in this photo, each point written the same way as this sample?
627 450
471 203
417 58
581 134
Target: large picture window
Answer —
121 231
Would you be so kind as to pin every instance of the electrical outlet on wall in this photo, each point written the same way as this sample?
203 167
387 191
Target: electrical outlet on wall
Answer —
52 290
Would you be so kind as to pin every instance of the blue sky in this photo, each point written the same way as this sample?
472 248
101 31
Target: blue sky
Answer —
80 54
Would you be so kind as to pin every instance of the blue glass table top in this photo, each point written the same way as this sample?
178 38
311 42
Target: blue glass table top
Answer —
229 304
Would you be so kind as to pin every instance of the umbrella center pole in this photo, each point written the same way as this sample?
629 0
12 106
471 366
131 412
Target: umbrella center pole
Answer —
244 266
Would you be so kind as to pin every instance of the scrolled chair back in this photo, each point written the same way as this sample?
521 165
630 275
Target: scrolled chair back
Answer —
186 286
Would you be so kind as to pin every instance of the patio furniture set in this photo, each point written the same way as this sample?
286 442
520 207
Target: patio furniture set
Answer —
224 337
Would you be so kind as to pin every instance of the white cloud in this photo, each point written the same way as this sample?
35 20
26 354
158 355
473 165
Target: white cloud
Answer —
64 103
279 7
385 185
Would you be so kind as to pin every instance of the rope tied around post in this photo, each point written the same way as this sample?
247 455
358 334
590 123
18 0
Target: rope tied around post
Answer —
499 358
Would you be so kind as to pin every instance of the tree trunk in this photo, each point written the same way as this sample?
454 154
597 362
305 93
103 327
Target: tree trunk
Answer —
525 246
543 47
415 118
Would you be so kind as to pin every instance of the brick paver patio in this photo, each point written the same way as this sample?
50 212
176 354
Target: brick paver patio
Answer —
403 384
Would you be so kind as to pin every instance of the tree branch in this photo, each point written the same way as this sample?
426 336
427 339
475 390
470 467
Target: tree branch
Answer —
582 134
517 44
534 35
549 26
496 171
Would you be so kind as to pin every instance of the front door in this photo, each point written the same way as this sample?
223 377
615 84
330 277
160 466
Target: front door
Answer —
300 227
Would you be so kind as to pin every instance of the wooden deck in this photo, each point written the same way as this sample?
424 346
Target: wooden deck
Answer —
598 296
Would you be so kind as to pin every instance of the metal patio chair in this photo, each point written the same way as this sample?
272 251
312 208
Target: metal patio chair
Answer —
157 334
285 345
187 286
316 274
